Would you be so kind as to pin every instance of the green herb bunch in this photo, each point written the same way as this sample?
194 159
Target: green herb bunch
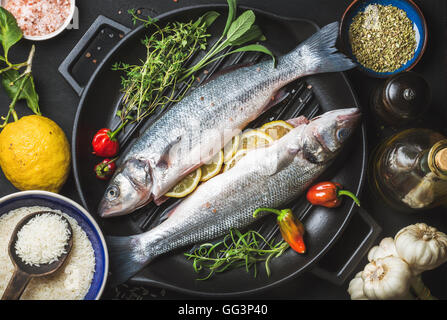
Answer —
238 31
153 83
18 85
236 250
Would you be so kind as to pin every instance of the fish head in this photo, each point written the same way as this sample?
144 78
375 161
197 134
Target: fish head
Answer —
129 189
325 134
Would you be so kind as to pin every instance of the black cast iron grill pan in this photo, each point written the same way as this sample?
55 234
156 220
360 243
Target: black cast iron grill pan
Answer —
101 96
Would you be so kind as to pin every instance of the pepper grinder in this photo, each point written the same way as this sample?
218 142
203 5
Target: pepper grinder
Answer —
401 99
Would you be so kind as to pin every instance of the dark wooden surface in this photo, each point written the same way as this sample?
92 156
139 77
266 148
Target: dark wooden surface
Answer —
59 102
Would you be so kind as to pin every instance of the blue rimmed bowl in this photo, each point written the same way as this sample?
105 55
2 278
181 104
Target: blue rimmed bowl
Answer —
82 217
413 13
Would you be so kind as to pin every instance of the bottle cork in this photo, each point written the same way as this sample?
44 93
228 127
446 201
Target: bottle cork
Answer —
441 159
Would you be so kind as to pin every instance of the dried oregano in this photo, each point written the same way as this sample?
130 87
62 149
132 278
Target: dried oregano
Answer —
382 38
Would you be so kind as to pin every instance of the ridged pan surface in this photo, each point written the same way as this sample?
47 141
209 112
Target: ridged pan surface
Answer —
310 96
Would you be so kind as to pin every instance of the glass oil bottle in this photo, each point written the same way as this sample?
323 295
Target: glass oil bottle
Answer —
409 170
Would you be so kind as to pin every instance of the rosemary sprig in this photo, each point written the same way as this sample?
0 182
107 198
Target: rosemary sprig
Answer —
234 251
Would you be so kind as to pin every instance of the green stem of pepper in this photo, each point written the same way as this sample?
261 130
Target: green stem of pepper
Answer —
280 213
349 194
114 133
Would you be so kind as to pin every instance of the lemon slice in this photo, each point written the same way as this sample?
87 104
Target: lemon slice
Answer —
276 129
254 139
231 148
238 156
186 186
213 168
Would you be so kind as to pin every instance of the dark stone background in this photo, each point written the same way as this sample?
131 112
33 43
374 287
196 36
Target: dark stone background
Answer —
59 102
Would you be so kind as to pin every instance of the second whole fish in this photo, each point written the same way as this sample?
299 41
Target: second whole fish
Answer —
266 177
200 125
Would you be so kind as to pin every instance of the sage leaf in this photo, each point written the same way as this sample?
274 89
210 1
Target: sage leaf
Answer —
208 18
256 48
232 7
11 81
241 25
253 34
10 33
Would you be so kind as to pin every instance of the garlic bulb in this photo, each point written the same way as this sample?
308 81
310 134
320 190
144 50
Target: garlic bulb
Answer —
421 246
355 288
386 278
385 248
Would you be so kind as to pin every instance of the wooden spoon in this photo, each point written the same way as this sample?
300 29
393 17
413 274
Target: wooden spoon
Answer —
24 272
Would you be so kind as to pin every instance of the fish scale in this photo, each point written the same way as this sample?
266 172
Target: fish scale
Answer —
200 125
288 107
232 204
266 177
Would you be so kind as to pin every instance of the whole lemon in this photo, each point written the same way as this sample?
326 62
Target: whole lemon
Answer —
35 154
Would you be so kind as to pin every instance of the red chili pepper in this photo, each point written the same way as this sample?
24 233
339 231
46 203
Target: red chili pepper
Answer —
292 230
105 169
327 194
105 143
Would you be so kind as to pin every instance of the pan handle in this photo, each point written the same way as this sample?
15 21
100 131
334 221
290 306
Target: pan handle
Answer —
340 276
66 67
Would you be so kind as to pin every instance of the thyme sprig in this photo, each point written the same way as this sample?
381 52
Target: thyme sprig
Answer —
234 251
154 83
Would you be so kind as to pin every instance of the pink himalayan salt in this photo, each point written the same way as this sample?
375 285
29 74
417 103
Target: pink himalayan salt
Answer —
39 17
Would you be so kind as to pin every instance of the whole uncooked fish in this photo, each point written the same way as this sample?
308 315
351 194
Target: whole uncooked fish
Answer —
266 177
200 125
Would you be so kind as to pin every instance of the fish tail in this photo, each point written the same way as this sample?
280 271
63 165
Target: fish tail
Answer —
319 53
127 257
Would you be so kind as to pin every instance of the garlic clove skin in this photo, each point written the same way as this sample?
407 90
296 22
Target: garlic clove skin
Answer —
385 248
387 278
355 288
421 246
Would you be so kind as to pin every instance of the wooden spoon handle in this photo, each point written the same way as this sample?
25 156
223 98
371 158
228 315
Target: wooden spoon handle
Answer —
16 285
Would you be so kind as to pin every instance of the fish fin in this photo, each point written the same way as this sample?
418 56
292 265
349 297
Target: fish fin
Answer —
277 98
293 150
163 161
166 214
125 258
298 121
319 52
161 200
277 165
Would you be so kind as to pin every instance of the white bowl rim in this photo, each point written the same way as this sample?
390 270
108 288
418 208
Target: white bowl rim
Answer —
80 208
56 32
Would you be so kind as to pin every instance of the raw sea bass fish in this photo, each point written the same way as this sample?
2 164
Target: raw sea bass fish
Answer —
266 177
200 125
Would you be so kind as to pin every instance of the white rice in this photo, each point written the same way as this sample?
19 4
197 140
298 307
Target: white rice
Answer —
71 282
42 239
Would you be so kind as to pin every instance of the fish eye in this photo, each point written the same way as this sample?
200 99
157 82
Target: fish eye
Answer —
342 133
112 193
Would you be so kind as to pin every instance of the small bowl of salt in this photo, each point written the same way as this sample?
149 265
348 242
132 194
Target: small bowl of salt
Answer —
41 19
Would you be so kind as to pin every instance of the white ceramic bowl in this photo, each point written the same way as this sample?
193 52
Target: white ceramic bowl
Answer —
55 33
82 217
